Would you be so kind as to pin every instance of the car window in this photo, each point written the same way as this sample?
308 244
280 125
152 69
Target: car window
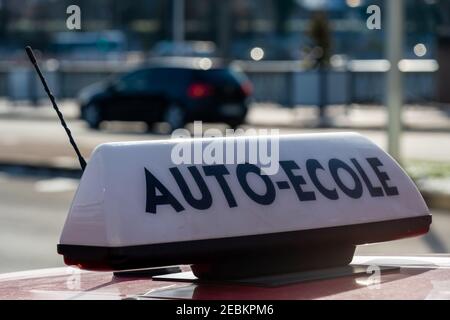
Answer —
221 76
133 82
156 79
172 81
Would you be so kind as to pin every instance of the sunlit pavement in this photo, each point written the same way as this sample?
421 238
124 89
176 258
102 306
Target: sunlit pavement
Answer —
33 211
37 138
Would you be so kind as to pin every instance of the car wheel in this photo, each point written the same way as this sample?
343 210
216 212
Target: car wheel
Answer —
175 116
92 116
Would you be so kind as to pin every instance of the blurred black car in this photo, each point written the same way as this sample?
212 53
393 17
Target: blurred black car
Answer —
172 93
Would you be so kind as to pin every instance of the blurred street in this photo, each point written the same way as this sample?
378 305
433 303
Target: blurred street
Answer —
33 206
34 135
33 210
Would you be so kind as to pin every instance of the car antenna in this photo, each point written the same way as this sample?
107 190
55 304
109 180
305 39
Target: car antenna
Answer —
55 106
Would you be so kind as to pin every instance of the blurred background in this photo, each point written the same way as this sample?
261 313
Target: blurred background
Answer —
136 70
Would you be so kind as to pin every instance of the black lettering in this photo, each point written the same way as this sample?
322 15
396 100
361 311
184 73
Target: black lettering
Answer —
297 181
242 171
154 200
205 201
374 191
335 165
312 165
218 171
382 176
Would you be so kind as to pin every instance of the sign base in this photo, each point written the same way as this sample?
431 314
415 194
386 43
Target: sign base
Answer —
278 280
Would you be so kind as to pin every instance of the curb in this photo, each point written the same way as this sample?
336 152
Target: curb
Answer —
21 169
337 126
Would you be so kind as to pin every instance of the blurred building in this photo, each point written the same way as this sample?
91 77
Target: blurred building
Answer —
278 26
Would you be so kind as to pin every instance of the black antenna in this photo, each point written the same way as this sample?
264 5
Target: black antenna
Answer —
55 106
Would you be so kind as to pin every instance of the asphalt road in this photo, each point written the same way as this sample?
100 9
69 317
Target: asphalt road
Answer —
33 211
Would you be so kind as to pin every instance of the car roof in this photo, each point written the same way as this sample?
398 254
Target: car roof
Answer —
428 275
184 63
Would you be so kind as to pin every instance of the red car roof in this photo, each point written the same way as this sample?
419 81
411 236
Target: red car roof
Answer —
428 275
